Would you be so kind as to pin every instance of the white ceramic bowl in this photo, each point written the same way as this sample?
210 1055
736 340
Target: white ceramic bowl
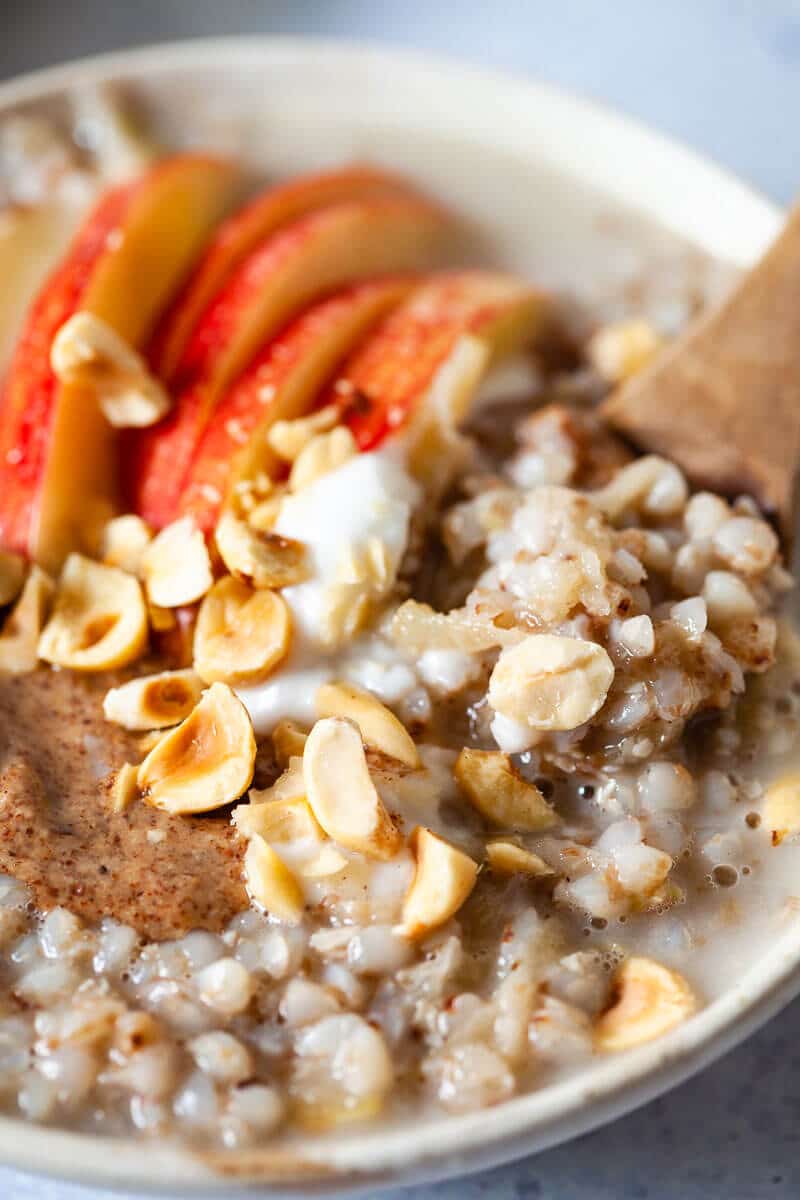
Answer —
558 189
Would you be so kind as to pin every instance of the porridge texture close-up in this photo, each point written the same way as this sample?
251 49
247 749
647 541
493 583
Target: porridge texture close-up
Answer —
379 731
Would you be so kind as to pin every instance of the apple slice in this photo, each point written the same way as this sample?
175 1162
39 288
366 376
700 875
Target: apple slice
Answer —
388 376
31 240
57 454
246 229
281 383
313 256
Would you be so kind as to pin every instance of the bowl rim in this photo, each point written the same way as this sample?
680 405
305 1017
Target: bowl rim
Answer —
647 149
455 1144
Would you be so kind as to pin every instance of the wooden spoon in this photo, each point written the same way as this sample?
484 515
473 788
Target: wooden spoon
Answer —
724 400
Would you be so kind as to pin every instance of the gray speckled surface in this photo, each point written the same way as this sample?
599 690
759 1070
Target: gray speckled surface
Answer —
724 75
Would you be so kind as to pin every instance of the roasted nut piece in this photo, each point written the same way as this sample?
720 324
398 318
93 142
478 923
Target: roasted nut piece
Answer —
207 761
288 786
549 682
444 878
328 860
247 819
289 438
162 620
241 634
507 858
12 576
281 813
176 567
279 821
125 788
148 740
99 620
618 351
19 640
288 741
271 884
174 640
650 1000
262 517
380 728
342 795
782 808
89 353
325 452
153 701
124 541
499 793
247 493
264 560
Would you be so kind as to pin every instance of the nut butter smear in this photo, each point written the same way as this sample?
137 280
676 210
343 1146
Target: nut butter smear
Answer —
60 835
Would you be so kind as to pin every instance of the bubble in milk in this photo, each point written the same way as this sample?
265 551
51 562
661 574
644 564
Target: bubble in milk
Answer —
611 958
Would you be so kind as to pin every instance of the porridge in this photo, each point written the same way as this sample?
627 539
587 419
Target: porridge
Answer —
370 739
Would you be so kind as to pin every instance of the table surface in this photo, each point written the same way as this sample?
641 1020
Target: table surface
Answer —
723 76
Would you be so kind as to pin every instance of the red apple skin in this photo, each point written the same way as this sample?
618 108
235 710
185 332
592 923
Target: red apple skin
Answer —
88 277
311 258
389 375
29 389
282 382
244 230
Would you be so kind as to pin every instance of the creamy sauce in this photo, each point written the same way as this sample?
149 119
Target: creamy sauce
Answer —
339 517
287 694
366 502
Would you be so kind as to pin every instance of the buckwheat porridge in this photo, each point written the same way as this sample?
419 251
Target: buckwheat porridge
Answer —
369 741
